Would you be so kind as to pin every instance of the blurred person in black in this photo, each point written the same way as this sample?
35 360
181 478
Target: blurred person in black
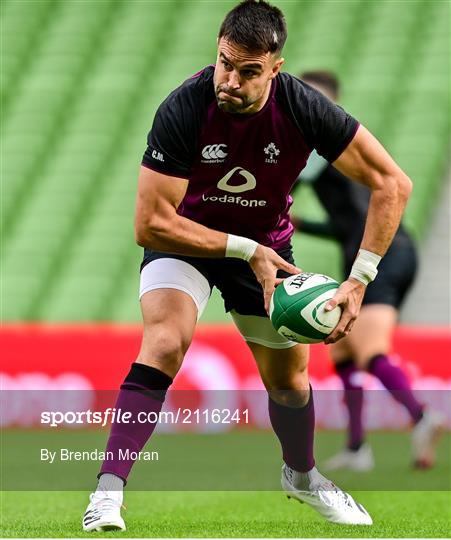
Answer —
368 346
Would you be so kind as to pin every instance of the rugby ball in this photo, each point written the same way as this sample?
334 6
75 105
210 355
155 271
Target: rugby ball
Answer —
297 307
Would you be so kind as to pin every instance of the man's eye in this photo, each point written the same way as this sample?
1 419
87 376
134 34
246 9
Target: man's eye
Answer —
248 73
226 64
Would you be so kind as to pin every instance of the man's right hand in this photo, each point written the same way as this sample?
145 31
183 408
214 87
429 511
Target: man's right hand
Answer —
265 262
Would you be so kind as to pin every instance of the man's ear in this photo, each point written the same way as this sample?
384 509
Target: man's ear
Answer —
277 67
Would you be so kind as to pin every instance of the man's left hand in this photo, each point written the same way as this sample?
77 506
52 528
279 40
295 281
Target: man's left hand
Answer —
349 297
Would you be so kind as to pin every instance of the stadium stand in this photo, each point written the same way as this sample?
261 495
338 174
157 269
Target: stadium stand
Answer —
80 84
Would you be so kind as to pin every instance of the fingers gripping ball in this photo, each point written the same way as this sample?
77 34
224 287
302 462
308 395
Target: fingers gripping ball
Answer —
297 307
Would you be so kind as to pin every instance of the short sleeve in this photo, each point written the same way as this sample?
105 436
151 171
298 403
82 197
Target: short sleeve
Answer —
326 126
167 149
173 139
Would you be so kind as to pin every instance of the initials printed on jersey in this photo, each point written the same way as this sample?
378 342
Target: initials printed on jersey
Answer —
157 155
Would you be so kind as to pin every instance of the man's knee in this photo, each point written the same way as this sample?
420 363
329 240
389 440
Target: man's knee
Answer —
288 387
163 347
295 395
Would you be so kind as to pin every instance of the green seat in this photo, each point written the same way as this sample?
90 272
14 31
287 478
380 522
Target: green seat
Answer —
77 116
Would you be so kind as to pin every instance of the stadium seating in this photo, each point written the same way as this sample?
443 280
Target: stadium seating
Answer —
80 84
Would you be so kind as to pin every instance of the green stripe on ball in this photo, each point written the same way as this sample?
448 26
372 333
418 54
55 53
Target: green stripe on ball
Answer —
314 324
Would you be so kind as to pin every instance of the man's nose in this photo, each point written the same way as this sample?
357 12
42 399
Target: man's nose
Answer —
234 80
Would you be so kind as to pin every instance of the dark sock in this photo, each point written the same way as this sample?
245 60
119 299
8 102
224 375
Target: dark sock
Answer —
395 381
143 390
353 399
295 428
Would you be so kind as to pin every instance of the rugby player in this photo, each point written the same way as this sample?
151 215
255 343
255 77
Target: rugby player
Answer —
212 207
369 344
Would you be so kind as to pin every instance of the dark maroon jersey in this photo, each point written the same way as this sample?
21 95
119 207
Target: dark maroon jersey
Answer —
241 168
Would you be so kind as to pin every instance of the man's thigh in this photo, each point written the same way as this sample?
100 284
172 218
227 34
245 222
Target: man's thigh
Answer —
173 295
166 271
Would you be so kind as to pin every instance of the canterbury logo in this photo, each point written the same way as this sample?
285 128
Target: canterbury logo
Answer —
250 183
214 151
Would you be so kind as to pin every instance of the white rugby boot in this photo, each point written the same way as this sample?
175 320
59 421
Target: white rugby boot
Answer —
326 498
360 460
104 512
425 436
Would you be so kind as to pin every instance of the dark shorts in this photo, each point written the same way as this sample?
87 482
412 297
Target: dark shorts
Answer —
233 277
396 274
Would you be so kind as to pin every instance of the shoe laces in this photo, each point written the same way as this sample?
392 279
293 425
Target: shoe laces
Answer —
325 490
105 503
288 472
332 495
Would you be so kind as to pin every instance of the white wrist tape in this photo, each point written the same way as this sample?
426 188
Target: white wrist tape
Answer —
364 268
240 247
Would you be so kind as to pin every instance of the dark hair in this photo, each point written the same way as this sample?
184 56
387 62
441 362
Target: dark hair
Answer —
324 78
255 25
